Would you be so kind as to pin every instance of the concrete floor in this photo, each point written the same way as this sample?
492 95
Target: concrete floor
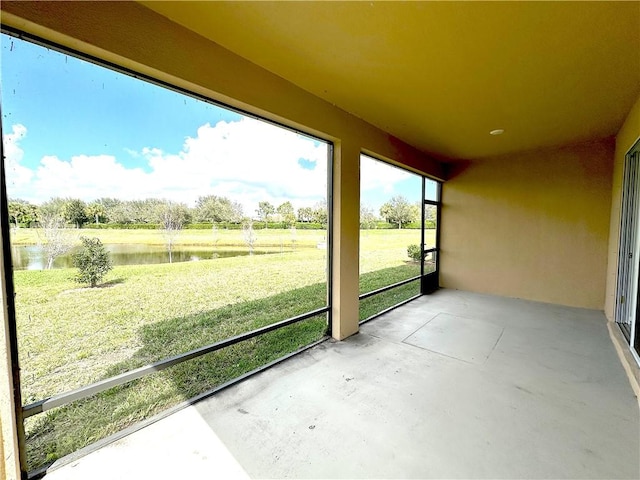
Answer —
452 385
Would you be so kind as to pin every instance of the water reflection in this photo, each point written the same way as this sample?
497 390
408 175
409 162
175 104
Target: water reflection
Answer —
31 257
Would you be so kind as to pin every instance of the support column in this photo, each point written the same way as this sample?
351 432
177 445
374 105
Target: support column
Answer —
346 240
10 460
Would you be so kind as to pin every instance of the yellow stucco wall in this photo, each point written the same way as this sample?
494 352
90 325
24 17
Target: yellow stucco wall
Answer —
533 225
626 138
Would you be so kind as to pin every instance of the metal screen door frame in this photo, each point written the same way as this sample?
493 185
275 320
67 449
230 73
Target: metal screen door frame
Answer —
627 301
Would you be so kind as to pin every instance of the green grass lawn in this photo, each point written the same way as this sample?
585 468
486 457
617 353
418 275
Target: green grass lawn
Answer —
71 336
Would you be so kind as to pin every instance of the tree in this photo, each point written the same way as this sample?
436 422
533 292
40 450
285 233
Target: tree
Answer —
367 218
264 211
320 213
15 212
54 239
21 211
399 211
110 207
150 210
172 217
52 208
430 216
92 261
75 211
287 214
214 234
97 211
415 212
249 234
108 203
212 208
119 213
305 214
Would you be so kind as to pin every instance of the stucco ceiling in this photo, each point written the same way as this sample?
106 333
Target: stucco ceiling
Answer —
440 76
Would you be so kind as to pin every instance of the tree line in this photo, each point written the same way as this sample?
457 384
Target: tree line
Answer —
208 209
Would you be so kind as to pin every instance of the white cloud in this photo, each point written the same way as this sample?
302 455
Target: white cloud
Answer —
88 178
379 175
247 160
18 176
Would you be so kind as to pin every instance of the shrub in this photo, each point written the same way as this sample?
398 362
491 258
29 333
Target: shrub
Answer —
309 226
430 224
384 226
92 261
199 226
413 226
414 252
122 226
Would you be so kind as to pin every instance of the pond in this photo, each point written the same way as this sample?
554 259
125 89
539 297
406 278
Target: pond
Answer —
30 257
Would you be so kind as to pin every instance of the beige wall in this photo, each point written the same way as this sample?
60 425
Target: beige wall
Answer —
532 225
627 136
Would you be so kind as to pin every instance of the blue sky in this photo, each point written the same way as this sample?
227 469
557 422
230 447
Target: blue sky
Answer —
72 128
55 94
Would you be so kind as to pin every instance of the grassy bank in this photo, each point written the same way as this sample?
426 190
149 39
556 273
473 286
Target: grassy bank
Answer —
219 237
100 327
370 240
71 336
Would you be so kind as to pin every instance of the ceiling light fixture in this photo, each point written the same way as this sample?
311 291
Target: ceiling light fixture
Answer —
497 131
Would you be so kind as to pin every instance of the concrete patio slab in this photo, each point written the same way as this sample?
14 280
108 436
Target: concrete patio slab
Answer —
458 337
551 401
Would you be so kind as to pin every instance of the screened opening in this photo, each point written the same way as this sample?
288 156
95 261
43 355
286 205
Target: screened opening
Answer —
398 240
431 234
161 244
